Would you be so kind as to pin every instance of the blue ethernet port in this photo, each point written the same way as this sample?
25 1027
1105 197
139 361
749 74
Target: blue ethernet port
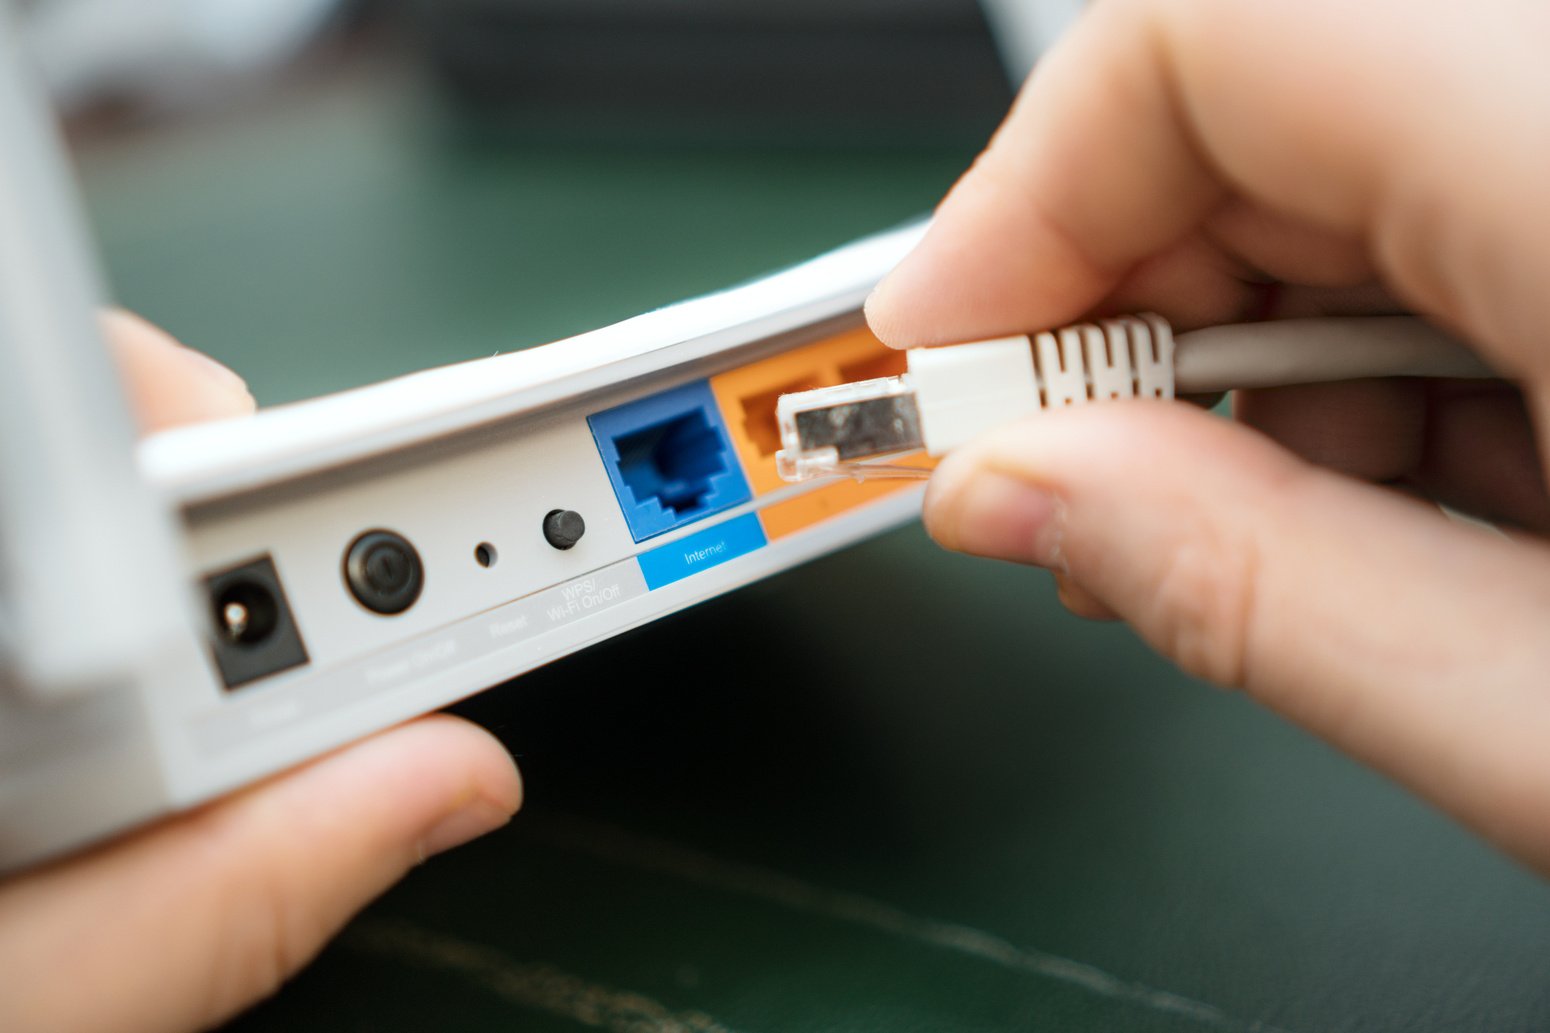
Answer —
669 459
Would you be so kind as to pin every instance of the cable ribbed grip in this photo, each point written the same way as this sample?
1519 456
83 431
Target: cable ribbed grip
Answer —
1125 357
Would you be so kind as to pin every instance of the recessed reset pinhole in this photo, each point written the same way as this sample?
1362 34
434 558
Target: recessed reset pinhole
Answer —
485 554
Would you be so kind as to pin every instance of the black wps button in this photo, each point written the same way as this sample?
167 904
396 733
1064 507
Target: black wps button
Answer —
563 528
383 572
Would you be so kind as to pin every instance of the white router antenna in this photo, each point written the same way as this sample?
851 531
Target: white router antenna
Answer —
1025 29
90 583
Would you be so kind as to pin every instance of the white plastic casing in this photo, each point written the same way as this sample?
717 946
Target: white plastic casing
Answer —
448 459
966 389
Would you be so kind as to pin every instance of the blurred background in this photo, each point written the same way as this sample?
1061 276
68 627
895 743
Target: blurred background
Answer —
891 790
307 188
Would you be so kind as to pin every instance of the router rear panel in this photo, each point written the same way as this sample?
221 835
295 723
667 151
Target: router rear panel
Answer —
358 560
446 503
671 474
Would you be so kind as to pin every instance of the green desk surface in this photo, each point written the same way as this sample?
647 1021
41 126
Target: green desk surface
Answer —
892 790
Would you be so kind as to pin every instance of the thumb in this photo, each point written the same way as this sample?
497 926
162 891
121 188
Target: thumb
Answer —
1409 640
183 924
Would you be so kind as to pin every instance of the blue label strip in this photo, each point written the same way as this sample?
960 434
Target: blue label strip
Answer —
702 550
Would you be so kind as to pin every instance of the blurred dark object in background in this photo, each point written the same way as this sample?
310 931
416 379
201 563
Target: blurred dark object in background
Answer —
863 72
165 54
905 70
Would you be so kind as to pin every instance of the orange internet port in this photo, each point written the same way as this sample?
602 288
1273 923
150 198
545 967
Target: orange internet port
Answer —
747 397
818 505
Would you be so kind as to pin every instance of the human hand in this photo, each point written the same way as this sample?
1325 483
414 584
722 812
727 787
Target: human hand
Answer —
1217 161
181 925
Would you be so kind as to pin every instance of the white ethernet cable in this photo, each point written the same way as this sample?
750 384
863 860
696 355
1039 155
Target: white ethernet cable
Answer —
951 394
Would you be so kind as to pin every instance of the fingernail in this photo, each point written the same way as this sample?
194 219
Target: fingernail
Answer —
210 369
469 823
987 513
879 313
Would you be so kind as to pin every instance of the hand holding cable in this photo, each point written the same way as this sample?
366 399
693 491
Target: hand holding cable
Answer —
1218 162
951 395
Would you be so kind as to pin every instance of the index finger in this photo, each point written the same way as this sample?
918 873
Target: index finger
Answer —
1398 124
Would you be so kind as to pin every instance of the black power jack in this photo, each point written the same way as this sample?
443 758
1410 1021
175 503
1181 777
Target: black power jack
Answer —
255 634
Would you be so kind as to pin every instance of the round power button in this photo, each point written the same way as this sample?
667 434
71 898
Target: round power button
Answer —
383 572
